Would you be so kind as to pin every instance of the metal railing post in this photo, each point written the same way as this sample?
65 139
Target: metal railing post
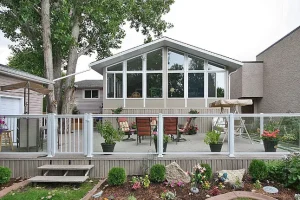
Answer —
85 130
261 126
53 133
160 134
49 135
90 136
231 135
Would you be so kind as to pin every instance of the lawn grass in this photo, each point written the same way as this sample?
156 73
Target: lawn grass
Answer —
52 191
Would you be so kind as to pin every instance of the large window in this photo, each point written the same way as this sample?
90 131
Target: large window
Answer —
135 64
216 84
91 94
196 85
154 85
135 85
176 85
154 60
175 60
115 81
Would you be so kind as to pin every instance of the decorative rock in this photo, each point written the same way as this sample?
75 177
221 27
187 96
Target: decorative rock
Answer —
270 189
207 196
194 190
232 175
297 196
253 190
175 174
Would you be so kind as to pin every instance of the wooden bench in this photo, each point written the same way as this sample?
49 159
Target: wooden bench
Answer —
64 178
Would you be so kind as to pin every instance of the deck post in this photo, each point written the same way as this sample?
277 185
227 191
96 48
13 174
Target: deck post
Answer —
231 135
261 126
90 136
160 135
85 129
49 135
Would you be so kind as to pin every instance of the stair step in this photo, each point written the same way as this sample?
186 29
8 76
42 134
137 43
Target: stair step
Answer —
58 179
66 167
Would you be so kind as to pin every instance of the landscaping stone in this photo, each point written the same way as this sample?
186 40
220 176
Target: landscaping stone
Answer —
232 175
174 173
270 189
194 190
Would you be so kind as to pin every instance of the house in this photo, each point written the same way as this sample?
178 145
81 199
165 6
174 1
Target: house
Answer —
167 75
12 101
272 81
89 96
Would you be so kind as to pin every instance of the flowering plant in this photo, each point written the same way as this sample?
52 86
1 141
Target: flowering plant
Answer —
168 195
192 129
2 122
271 131
133 125
198 177
166 137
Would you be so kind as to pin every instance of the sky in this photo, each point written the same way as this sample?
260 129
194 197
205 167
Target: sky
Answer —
239 29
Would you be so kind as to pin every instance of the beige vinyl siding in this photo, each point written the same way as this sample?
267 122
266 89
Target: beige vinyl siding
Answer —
88 105
36 99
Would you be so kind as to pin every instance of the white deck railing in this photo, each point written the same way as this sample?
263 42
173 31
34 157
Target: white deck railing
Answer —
75 133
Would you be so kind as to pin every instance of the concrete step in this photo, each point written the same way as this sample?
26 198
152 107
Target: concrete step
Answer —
66 167
58 179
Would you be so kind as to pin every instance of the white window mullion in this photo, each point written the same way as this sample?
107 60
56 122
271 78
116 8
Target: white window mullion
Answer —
124 83
185 75
144 79
115 85
206 82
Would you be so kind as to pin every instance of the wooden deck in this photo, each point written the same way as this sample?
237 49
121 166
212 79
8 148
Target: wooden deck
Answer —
27 164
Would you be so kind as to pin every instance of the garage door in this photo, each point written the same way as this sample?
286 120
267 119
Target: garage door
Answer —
11 106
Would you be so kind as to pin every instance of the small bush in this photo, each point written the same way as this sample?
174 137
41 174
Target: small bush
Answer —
276 170
5 174
208 171
258 170
116 176
157 173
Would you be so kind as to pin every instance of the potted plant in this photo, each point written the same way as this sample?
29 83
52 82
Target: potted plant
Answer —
165 141
193 111
212 139
110 135
270 136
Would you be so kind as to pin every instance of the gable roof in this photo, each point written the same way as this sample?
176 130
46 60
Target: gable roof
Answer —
165 42
23 75
89 84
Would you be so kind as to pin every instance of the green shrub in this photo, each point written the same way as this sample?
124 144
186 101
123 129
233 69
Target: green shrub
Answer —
291 171
258 170
5 174
157 173
275 170
208 171
116 176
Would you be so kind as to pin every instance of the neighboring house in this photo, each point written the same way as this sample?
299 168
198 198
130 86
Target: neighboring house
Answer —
272 81
165 74
89 96
12 101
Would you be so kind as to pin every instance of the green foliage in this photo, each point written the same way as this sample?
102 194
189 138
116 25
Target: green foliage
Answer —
56 191
109 133
117 110
208 171
146 181
257 185
157 173
168 195
75 110
212 137
199 176
193 111
116 176
271 125
290 126
276 170
131 197
5 174
258 169
292 172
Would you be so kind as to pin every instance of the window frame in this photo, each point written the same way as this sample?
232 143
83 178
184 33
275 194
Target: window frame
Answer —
91 90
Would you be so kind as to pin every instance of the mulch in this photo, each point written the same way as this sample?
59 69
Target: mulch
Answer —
11 182
183 193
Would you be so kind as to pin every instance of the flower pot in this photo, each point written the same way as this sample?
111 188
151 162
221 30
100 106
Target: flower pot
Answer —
164 146
270 146
108 147
215 147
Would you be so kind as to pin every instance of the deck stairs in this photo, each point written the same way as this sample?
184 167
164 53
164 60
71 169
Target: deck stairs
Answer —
63 178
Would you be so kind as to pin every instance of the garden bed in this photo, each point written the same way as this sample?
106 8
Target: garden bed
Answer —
183 193
52 191
10 183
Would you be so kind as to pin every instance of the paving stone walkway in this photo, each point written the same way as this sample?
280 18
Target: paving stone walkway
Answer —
237 194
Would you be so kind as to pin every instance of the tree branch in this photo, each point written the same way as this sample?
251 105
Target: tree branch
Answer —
85 50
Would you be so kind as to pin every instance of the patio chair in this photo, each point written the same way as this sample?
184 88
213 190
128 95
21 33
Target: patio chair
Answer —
143 128
123 125
170 126
184 129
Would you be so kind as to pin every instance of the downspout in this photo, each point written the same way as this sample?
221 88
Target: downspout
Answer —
229 82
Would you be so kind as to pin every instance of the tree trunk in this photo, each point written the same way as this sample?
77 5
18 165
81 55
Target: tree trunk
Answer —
57 66
47 45
68 100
